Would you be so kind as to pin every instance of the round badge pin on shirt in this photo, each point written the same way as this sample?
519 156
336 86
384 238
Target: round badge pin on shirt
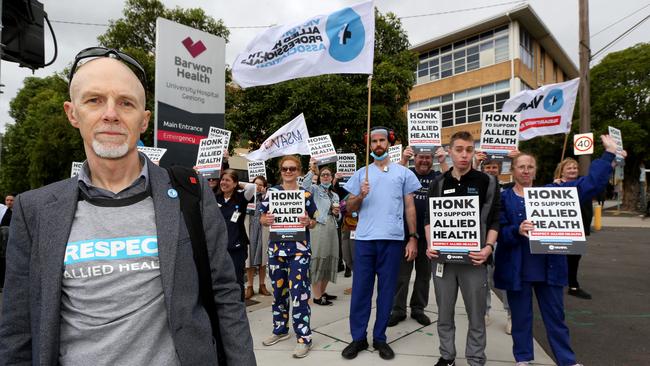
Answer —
172 193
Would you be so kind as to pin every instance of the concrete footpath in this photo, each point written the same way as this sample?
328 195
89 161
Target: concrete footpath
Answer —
413 344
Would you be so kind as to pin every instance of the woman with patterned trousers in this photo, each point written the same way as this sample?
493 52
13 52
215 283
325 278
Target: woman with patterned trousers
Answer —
289 269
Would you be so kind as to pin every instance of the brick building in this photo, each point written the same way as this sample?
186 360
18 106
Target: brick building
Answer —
477 68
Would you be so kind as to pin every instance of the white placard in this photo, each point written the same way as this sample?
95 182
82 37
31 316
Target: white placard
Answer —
287 207
153 153
210 154
322 149
395 153
424 129
76 168
346 165
219 132
555 213
255 169
615 134
454 224
500 133
583 144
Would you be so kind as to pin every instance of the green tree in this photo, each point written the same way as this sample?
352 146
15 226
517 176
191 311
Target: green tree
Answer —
620 97
135 34
332 104
40 147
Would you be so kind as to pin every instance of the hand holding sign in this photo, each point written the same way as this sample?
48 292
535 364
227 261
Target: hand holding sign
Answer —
481 256
432 254
526 227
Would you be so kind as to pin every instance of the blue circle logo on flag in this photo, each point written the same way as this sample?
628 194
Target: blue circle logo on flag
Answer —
346 34
554 100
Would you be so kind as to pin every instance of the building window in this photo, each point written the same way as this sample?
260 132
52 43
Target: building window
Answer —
466 106
469 54
526 49
542 66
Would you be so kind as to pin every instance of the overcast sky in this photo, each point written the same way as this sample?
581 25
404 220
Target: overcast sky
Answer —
560 16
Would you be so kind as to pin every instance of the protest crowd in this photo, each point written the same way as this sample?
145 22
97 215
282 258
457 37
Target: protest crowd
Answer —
128 262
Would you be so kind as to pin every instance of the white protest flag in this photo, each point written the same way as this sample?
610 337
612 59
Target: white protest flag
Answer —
544 111
342 42
289 139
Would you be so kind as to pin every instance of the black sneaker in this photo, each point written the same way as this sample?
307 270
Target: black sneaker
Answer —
384 349
579 293
421 318
323 301
443 362
348 272
353 349
395 319
329 297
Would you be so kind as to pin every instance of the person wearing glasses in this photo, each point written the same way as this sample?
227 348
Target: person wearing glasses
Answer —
324 237
384 199
100 266
521 273
289 268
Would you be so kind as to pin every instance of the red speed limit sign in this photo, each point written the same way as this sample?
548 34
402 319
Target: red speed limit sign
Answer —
583 144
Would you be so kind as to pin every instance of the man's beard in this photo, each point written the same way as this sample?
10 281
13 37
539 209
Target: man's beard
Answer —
110 151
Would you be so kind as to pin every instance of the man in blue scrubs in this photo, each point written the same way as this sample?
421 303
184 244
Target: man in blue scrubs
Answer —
381 200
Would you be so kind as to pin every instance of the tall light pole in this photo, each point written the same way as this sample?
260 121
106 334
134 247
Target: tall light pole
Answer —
585 103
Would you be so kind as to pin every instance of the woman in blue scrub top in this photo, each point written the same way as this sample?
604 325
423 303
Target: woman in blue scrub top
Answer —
232 203
520 272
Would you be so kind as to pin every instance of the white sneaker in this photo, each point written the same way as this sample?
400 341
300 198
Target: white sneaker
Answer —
301 350
509 325
521 364
275 338
487 319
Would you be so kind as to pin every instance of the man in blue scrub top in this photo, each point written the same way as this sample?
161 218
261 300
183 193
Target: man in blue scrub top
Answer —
381 201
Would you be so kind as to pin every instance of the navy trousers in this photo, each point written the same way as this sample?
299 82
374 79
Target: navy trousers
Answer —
551 305
372 258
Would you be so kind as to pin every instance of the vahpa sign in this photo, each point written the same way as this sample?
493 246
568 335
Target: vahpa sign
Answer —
424 131
555 214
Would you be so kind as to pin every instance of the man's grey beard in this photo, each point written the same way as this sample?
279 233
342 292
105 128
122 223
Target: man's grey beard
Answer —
110 152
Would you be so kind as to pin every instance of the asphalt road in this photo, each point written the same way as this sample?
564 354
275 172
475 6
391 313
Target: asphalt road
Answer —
614 327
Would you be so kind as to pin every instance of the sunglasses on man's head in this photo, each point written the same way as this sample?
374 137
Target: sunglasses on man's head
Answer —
94 52
285 169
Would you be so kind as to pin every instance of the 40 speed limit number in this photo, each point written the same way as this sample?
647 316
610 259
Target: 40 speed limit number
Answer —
583 144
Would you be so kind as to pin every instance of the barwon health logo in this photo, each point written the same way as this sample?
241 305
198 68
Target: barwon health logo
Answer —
346 34
194 48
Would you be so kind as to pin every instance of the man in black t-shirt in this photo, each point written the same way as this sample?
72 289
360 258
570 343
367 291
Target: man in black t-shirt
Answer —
420 295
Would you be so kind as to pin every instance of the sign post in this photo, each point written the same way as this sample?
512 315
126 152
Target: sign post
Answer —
190 89
583 144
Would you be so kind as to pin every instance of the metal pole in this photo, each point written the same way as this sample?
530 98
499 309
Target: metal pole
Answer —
585 103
